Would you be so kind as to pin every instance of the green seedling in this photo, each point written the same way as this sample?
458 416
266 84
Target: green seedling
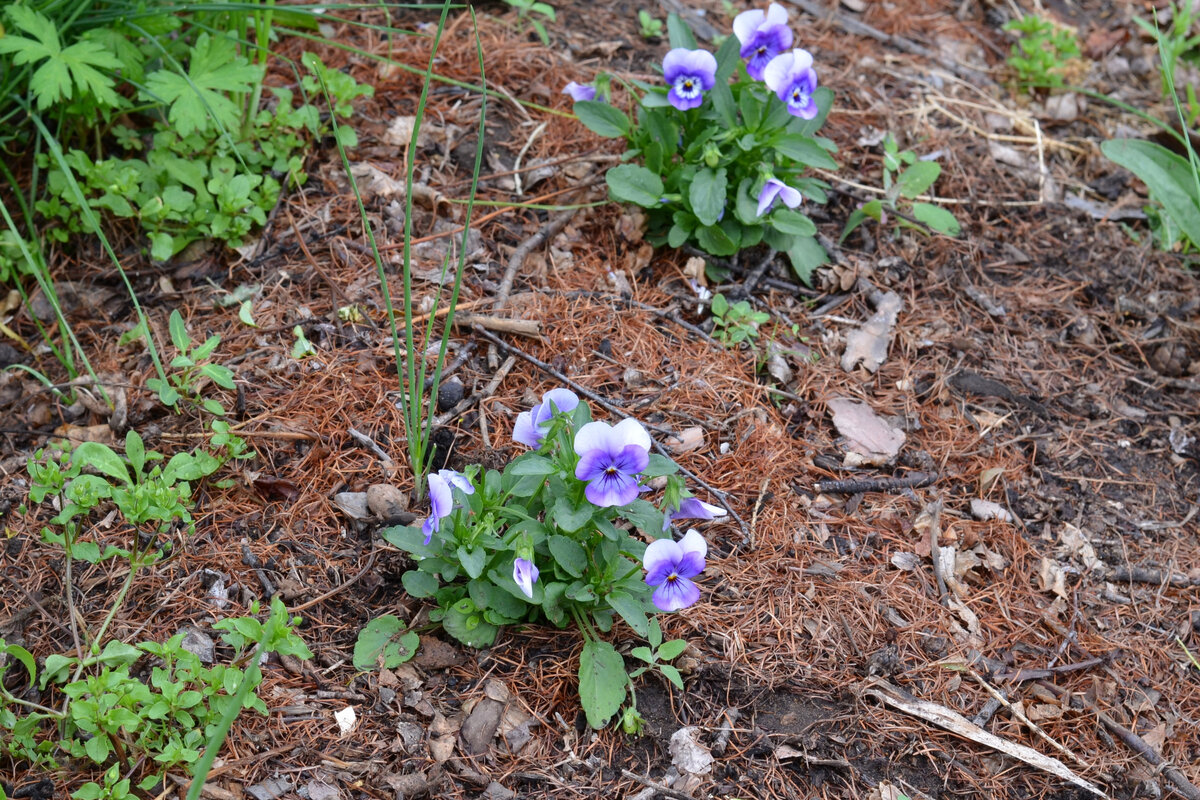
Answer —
737 322
905 178
651 27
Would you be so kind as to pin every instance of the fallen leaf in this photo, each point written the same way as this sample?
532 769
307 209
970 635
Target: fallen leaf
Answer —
867 434
687 754
347 720
1051 577
869 344
686 440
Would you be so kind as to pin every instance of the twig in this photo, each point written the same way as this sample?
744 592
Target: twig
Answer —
934 510
543 234
1020 715
1152 576
914 480
552 372
251 560
658 787
728 717
757 273
369 443
487 392
1133 741
521 327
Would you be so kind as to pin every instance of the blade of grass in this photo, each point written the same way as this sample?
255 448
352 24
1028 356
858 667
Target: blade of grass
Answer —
462 249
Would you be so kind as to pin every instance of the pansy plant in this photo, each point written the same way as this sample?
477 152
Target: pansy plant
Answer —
567 534
719 150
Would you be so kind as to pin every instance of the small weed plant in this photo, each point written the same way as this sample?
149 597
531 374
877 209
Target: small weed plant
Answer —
1042 53
905 178
563 535
720 156
529 11
132 724
650 27
734 323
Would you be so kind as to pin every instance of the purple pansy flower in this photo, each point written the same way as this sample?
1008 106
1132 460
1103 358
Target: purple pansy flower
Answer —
441 503
764 35
773 190
610 458
791 77
670 566
580 91
689 73
457 480
693 508
530 427
525 573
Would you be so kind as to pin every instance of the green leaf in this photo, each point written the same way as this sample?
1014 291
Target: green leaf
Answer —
410 540
466 624
632 610
204 99
101 458
792 222
672 674
569 554
246 313
642 654
162 246
601 118
419 584
570 517
723 103
532 464
713 239
381 640
179 334
473 561
220 375
916 179
937 218
872 210
602 682
678 33
1168 176
804 149
629 183
117 653
658 466
24 656
669 651
806 254
728 59
706 195
135 451
68 72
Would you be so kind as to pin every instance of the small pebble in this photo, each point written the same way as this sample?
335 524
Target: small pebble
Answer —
386 500
449 394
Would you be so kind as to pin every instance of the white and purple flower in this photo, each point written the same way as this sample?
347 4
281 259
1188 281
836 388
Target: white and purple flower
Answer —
580 91
670 566
693 508
441 503
456 480
764 35
689 73
775 189
610 458
530 427
792 78
525 573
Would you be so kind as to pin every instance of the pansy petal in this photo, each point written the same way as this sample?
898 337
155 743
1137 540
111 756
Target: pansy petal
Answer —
777 72
676 594
430 527
456 480
693 542
525 573
579 91
776 15
790 197
682 61
441 502
691 565
592 464
594 436
560 400
630 431
661 554
766 196
631 460
611 490
746 24
526 432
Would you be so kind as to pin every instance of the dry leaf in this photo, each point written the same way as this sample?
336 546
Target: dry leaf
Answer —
1051 578
686 440
687 754
869 344
868 435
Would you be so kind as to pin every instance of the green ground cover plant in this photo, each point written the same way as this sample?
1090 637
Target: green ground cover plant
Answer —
1040 57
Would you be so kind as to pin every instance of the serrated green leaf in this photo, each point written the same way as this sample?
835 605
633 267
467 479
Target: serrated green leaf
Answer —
203 99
